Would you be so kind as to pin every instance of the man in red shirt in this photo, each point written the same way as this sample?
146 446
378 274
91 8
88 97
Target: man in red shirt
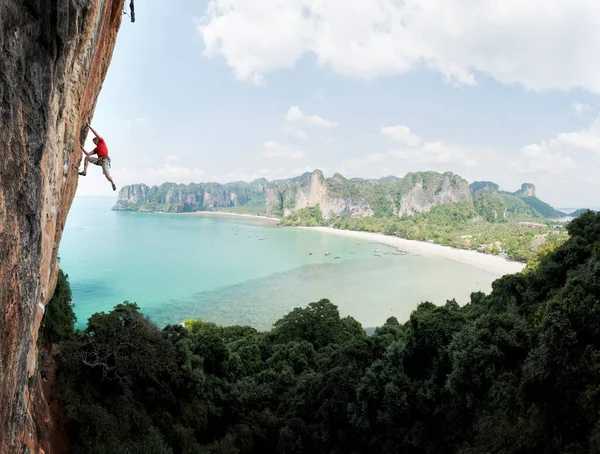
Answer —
102 160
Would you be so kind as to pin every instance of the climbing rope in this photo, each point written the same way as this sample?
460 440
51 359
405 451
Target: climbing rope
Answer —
131 9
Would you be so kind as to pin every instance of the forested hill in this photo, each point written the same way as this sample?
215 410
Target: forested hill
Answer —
425 206
517 370
523 204
338 196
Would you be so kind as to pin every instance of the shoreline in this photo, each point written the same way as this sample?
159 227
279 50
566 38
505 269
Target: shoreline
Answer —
224 213
486 262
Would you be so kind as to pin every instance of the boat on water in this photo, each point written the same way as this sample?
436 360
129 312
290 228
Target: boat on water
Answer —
352 252
326 253
310 253
338 257
377 250
377 255
356 242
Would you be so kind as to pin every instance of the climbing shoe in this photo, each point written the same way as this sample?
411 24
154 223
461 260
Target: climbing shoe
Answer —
114 187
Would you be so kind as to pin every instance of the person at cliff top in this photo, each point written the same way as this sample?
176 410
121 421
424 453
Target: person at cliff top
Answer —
102 160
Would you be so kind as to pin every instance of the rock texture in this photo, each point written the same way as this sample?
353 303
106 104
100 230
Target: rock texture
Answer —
177 198
336 196
528 189
54 57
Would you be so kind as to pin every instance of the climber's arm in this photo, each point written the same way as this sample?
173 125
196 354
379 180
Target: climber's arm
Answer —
87 153
94 131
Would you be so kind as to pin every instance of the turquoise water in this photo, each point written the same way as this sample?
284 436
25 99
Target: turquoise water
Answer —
217 268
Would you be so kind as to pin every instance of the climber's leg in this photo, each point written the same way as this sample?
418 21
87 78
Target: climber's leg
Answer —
86 161
106 172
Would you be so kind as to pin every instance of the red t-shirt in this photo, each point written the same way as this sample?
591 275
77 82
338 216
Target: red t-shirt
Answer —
101 149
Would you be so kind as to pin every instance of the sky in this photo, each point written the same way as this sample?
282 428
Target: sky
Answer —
227 90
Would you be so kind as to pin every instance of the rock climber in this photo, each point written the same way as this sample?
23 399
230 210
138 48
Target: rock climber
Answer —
102 160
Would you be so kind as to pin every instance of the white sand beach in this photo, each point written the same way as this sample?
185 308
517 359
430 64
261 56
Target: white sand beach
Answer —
224 213
487 262
491 263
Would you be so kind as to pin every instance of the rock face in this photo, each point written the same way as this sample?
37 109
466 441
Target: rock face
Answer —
177 198
431 189
336 196
55 55
528 189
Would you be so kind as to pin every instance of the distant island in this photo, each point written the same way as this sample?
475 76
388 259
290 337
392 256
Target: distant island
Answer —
440 208
579 212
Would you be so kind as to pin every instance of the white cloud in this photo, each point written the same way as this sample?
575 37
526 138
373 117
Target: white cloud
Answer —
277 150
437 153
587 139
401 134
295 115
427 156
540 159
296 132
300 134
171 157
512 41
554 156
269 174
580 108
171 173
242 175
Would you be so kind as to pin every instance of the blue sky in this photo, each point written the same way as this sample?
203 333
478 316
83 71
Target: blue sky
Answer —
230 89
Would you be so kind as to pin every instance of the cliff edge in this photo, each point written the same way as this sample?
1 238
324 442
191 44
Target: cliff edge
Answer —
55 55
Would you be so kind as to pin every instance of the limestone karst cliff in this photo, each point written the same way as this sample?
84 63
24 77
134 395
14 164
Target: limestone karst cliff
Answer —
54 57
415 193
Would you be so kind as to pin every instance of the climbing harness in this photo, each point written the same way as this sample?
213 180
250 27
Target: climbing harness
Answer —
101 160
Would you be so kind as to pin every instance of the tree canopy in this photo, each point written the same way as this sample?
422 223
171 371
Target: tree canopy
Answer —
517 370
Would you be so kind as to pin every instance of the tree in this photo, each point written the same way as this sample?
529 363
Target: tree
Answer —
59 320
319 323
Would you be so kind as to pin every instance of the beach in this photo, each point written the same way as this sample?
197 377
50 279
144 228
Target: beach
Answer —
224 213
488 262
246 270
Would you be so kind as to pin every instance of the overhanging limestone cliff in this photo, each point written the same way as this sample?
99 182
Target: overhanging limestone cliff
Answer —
54 55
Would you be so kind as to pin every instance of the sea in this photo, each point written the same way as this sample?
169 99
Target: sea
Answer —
237 270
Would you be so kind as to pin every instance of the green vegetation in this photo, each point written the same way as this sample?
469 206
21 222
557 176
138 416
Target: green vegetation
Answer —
477 217
309 216
513 371
59 320
490 205
478 185
543 208
518 210
579 212
455 225
238 197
